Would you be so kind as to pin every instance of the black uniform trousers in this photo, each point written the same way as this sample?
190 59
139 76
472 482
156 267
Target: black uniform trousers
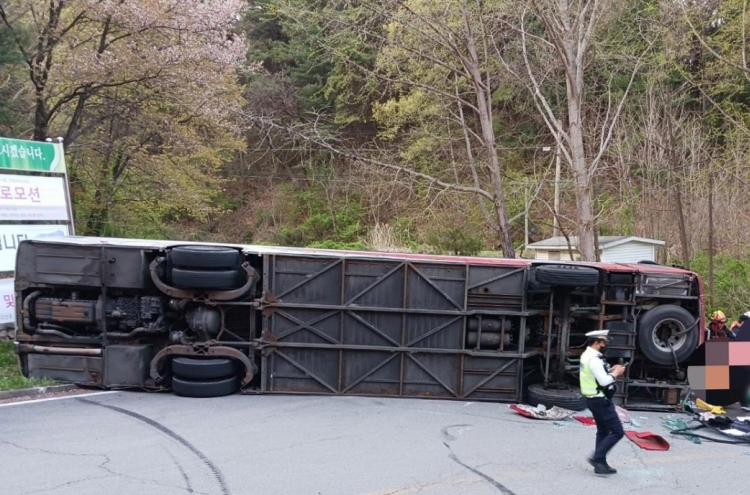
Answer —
608 426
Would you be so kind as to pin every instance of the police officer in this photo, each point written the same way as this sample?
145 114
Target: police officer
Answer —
598 386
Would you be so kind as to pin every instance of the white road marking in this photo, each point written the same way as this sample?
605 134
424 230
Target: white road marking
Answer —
36 401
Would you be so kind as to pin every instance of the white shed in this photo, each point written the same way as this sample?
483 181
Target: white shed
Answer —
613 249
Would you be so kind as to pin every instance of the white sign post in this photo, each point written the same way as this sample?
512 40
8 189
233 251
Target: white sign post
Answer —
12 235
7 300
27 197
33 189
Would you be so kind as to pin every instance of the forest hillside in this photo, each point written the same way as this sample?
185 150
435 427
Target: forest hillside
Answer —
454 126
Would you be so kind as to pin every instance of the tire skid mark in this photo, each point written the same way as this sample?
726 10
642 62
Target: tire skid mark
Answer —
209 464
188 485
501 488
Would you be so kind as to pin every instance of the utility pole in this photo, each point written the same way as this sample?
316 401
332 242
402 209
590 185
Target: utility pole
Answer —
526 214
711 234
555 221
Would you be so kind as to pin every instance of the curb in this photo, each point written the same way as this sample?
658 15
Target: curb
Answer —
30 392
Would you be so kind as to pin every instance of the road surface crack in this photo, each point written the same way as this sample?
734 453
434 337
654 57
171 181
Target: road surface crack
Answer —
103 466
158 426
446 434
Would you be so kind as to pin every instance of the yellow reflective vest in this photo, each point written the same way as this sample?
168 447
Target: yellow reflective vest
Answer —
589 386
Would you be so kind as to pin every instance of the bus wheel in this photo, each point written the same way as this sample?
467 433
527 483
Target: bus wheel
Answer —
205 388
203 369
667 334
193 377
567 275
208 279
205 257
566 398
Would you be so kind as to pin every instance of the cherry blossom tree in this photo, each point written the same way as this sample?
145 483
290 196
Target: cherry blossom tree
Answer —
141 91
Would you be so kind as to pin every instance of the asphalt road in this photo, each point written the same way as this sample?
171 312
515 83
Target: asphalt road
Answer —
138 443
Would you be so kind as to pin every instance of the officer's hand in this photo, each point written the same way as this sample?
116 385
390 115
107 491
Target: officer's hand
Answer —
617 371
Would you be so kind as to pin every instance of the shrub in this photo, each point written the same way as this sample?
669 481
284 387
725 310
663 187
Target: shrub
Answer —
731 292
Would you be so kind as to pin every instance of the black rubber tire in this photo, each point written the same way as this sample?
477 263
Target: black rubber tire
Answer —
185 278
567 399
205 257
673 315
205 388
203 369
567 275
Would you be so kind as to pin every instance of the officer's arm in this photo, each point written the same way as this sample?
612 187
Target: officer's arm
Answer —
602 377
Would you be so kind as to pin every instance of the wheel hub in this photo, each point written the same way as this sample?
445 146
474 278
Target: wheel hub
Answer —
669 335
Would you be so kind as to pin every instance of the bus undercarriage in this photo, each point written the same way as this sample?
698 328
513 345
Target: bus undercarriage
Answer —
207 320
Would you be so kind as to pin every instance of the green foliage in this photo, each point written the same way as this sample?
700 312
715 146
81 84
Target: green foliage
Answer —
313 217
10 374
296 39
345 246
11 71
731 282
457 240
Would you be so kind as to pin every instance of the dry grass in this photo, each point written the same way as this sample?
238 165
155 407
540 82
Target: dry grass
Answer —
383 238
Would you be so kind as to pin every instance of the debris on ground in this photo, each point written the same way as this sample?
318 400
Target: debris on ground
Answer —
622 414
678 424
541 412
647 440
586 420
710 408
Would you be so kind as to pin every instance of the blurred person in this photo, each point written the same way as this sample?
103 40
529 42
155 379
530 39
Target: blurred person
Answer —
717 326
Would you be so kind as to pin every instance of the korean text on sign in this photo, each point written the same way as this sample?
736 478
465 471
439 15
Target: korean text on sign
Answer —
20 151
20 193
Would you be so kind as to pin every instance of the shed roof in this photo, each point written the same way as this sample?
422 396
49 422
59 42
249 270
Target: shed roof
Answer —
605 242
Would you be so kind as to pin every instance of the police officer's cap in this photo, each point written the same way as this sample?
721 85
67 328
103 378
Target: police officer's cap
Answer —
598 335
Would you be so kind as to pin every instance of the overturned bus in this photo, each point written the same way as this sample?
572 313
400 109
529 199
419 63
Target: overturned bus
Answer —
206 320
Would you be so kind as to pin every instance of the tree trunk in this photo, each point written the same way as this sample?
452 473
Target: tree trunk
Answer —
41 118
488 140
710 234
97 219
684 240
586 241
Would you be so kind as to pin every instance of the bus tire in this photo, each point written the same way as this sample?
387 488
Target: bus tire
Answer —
205 388
570 399
203 369
185 278
567 275
205 257
656 333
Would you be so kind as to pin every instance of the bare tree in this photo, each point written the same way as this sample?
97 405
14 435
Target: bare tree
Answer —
571 28
443 39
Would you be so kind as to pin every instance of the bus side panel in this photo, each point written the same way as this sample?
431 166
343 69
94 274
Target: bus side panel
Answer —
81 266
85 370
58 264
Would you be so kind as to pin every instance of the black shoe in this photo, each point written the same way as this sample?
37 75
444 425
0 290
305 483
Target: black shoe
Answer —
603 468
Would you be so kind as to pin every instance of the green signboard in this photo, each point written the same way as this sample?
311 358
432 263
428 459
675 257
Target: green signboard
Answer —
17 154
